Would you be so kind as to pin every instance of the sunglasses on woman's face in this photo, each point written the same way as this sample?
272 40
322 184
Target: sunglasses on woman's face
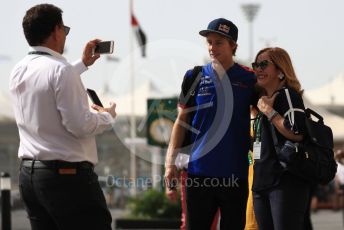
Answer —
263 64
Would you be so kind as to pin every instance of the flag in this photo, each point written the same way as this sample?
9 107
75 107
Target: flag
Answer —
140 35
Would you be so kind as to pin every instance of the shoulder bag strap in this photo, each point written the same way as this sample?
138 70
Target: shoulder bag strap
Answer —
290 113
195 78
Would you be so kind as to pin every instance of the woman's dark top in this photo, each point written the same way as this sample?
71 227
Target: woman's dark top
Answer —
268 169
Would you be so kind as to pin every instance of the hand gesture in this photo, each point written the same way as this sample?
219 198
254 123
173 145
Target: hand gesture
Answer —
172 195
171 180
111 109
88 56
265 103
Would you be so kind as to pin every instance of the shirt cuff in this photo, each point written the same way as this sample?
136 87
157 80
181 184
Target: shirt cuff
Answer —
110 119
79 66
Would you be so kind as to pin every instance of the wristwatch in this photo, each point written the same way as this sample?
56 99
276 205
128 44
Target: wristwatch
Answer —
272 114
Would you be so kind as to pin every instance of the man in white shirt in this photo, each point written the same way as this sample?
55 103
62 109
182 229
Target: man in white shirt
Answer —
57 129
339 179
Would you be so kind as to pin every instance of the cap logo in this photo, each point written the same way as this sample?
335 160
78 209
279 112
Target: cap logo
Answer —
224 28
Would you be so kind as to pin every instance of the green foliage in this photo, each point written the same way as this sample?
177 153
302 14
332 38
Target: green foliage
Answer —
153 204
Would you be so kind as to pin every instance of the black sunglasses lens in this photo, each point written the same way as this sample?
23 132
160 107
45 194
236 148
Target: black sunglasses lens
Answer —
66 29
262 65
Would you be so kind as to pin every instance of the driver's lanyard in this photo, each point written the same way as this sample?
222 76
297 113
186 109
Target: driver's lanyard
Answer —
257 144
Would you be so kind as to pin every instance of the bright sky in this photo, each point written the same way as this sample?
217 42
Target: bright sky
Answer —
310 30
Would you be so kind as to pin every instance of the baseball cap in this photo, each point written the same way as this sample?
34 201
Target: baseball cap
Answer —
222 26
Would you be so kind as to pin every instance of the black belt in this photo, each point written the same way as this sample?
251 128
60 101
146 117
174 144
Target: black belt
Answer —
56 164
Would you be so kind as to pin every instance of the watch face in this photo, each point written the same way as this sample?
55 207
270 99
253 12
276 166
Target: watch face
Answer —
161 129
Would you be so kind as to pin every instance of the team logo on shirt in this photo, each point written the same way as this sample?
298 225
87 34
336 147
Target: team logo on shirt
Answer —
206 80
204 86
224 28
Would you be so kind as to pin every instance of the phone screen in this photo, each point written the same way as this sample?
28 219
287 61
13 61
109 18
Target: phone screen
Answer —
94 97
105 47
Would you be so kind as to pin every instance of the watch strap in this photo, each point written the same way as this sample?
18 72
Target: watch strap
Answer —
272 114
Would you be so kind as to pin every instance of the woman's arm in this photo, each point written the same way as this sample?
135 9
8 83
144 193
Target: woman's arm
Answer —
265 106
278 122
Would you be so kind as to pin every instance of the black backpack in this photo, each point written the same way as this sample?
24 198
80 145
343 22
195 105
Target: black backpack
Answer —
191 84
313 158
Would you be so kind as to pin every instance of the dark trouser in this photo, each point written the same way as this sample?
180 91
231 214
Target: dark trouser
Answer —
284 206
67 199
204 196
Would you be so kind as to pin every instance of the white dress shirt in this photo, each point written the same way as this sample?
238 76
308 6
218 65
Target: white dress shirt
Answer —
340 173
52 111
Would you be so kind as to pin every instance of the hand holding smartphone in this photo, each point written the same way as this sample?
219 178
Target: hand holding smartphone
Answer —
104 47
94 97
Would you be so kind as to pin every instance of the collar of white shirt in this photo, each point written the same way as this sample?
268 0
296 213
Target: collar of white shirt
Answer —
79 64
47 50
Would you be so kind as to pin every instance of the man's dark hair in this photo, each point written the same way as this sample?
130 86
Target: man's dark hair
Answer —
40 21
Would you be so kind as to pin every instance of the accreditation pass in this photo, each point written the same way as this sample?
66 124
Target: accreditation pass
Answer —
257 146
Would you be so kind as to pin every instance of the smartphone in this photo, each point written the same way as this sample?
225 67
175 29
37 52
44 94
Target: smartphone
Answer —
94 97
105 47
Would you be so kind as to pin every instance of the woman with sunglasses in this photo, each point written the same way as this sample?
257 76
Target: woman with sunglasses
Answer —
280 199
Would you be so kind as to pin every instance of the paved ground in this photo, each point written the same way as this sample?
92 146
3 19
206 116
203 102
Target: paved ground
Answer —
327 220
21 222
322 220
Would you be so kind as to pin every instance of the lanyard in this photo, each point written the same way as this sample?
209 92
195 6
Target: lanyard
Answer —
39 53
257 126
250 158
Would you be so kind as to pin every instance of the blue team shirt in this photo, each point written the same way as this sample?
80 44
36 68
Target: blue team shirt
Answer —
222 142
